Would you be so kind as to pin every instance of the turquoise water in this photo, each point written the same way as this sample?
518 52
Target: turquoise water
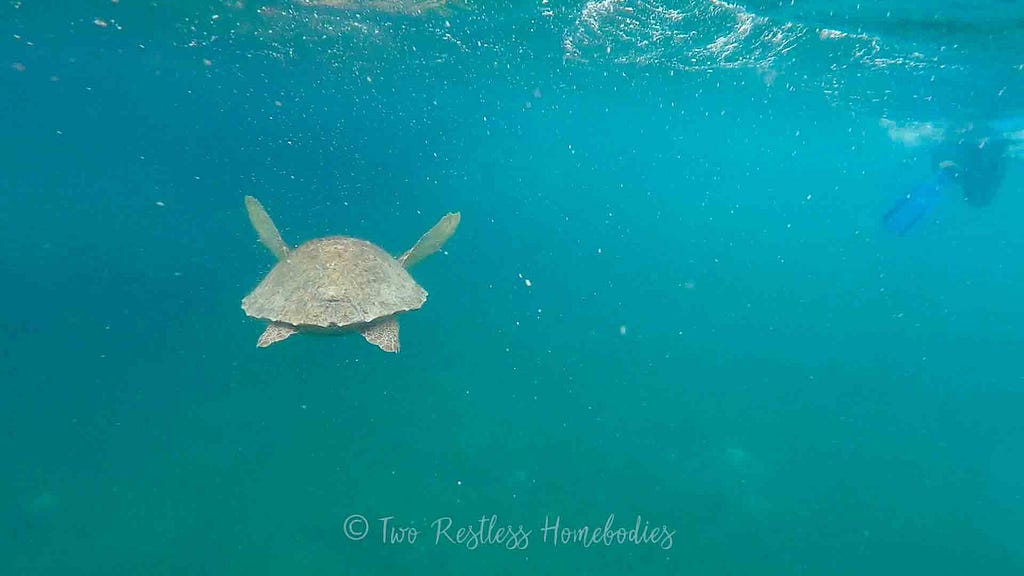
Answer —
717 335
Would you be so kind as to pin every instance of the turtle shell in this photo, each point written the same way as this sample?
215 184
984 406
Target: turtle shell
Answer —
334 282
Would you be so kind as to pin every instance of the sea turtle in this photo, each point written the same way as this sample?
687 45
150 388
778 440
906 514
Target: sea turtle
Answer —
337 284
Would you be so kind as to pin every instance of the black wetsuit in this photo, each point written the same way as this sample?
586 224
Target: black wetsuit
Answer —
976 163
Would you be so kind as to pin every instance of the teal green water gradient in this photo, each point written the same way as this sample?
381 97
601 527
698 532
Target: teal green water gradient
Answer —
717 335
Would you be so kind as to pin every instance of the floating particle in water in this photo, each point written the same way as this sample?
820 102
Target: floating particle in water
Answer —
622 330
100 22
18 67
160 203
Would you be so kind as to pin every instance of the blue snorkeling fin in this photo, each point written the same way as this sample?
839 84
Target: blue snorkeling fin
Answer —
909 209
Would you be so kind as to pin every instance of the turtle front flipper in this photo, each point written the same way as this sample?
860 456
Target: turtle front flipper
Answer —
431 241
276 332
264 226
383 334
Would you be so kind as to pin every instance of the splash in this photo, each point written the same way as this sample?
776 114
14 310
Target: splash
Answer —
700 35
712 34
913 134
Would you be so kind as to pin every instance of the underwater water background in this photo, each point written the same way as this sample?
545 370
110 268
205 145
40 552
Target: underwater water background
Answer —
716 334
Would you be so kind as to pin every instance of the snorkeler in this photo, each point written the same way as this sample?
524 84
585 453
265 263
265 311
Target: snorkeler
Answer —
974 162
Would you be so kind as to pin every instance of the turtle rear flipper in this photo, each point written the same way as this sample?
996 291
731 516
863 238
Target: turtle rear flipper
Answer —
264 226
276 332
431 241
383 334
